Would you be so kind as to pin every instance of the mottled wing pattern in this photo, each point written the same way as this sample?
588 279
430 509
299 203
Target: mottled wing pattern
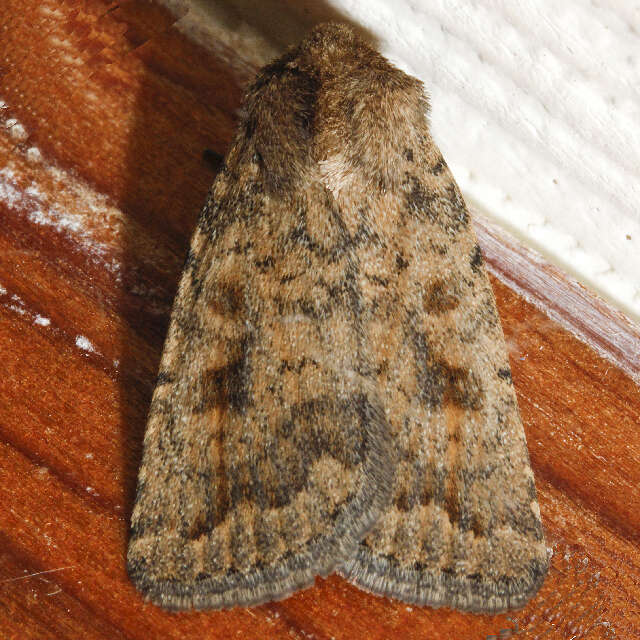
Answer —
335 362
267 456
463 529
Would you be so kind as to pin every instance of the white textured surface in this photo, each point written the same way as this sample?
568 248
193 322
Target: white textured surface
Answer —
536 107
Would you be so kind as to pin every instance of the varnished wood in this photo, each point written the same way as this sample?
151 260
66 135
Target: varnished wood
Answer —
119 103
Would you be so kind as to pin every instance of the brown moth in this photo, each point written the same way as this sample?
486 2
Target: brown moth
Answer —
334 392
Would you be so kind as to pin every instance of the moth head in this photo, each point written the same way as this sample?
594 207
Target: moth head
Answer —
336 102
368 113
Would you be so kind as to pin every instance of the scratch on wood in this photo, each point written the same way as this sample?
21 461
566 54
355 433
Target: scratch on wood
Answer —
38 573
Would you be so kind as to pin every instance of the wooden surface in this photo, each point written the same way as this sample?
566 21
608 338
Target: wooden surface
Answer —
106 112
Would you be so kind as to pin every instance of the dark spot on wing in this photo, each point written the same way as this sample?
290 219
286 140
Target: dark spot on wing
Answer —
442 383
401 263
419 200
440 297
226 386
476 259
439 166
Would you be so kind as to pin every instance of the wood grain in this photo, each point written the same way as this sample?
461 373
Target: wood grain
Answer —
107 110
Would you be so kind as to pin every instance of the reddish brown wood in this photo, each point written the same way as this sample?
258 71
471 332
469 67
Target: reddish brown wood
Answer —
121 107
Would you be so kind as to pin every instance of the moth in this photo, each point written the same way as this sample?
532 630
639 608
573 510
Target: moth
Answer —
334 392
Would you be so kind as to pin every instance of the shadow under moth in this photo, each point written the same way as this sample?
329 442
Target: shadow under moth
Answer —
334 392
